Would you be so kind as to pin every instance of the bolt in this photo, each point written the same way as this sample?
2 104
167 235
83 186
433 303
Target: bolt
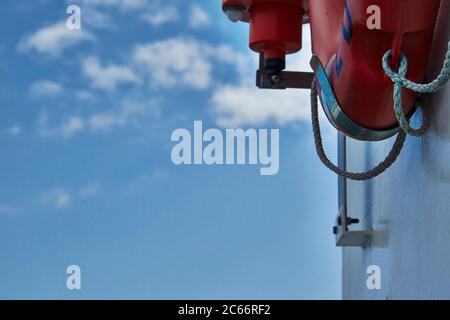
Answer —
275 79
348 220
351 221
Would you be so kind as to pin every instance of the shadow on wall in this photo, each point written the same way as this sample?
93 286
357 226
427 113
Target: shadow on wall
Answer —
436 144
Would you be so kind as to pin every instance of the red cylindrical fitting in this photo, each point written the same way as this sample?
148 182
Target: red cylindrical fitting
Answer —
276 28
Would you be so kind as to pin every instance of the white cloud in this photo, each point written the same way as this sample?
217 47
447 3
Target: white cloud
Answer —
97 13
129 112
71 126
46 88
125 5
6 209
148 178
53 39
104 121
14 130
198 17
96 18
175 61
246 105
43 128
61 199
107 78
187 62
161 15
57 198
245 65
160 173
84 95
68 128
90 190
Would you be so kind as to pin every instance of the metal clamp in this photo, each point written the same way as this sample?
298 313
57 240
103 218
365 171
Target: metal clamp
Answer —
344 236
335 113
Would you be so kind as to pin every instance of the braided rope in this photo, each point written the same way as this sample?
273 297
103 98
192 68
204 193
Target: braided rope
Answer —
433 86
401 82
377 170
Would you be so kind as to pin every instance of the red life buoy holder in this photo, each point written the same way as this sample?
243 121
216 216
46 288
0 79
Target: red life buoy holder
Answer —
350 52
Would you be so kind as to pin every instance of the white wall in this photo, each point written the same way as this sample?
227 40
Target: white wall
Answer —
408 207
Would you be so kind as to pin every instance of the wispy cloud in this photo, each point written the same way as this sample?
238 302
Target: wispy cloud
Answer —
45 88
99 13
181 61
198 17
54 39
68 128
108 78
240 105
161 15
146 179
57 198
125 5
84 95
6 209
90 190
14 130
71 126
130 112
175 61
96 18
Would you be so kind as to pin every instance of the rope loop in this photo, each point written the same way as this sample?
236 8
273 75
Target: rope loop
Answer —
434 86
400 82
359 176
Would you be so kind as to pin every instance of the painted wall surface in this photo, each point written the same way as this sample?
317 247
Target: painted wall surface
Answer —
408 207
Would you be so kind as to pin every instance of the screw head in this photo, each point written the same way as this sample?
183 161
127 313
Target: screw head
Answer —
275 79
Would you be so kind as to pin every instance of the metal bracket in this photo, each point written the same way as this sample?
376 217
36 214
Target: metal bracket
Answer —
345 237
283 79
335 113
303 80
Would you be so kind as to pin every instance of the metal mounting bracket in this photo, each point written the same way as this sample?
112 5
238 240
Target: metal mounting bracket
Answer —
344 236
334 112
283 79
302 80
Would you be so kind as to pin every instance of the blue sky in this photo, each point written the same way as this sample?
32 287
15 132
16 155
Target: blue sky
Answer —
86 176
